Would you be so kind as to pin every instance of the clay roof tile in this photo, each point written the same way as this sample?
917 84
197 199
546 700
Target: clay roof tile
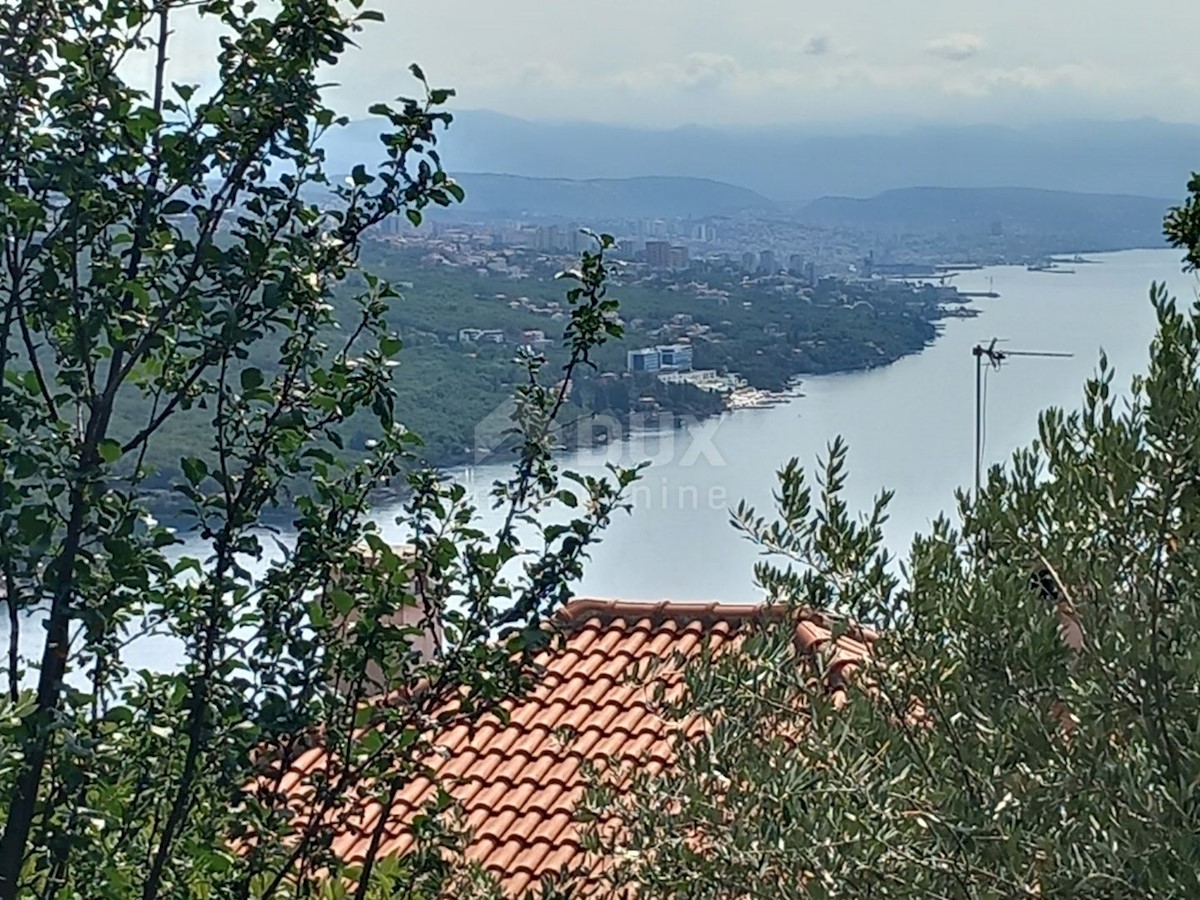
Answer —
518 782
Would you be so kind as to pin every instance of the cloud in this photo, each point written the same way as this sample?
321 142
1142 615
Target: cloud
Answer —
955 47
696 72
546 75
703 71
818 45
1033 78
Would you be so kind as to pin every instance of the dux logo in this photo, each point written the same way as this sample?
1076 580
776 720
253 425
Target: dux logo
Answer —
687 442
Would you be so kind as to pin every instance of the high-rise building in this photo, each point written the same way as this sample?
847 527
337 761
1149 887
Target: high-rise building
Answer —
795 264
677 257
675 356
658 254
749 261
552 238
580 241
645 360
767 264
392 225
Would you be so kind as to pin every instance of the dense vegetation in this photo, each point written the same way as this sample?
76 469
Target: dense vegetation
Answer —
1021 723
167 286
445 389
827 333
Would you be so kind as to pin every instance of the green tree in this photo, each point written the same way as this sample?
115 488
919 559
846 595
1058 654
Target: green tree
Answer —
165 254
1023 720
1182 225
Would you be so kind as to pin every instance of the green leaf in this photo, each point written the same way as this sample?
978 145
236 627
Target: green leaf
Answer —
23 208
342 601
175 207
370 15
109 450
119 715
372 741
251 379
24 465
414 216
194 470
139 292
317 615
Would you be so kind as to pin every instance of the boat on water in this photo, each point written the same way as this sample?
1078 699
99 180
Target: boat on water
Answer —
753 398
1049 268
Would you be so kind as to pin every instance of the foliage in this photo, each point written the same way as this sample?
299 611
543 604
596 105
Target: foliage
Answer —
1182 225
446 387
160 262
1025 722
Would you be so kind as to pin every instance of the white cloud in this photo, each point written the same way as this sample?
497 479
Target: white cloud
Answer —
1033 79
696 72
955 47
661 62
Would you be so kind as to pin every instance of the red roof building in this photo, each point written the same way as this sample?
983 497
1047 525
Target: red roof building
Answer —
518 779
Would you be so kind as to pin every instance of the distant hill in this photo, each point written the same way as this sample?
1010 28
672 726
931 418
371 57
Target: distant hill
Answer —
1144 157
601 198
1077 220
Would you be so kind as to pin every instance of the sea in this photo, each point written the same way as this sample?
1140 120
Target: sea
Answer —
910 428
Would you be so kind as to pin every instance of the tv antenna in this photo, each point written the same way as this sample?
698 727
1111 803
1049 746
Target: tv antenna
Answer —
995 358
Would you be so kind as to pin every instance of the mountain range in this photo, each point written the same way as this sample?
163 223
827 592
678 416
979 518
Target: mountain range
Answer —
1079 220
604 198
1058 218
794 164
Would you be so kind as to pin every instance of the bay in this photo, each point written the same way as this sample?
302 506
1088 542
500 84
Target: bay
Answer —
909 425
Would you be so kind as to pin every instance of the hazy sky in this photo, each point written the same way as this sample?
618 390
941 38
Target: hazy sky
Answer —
670 62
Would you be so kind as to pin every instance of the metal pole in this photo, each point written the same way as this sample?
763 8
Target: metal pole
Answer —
994 357
978 351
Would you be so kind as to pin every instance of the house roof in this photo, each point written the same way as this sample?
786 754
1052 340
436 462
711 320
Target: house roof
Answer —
518 781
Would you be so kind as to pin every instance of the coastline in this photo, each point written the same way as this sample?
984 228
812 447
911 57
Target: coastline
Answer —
745 397
969 306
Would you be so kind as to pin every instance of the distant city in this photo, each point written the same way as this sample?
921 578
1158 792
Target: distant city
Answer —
913 231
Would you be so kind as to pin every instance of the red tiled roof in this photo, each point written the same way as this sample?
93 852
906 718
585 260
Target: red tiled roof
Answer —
518 783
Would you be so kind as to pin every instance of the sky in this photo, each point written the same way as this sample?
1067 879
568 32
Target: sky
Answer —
665 63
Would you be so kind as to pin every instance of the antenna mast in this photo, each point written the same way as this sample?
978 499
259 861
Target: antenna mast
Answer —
994 358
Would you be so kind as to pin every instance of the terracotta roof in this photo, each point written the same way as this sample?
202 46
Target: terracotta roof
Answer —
518 782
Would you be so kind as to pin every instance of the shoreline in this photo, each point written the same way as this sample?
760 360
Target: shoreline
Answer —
748 398
279 518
